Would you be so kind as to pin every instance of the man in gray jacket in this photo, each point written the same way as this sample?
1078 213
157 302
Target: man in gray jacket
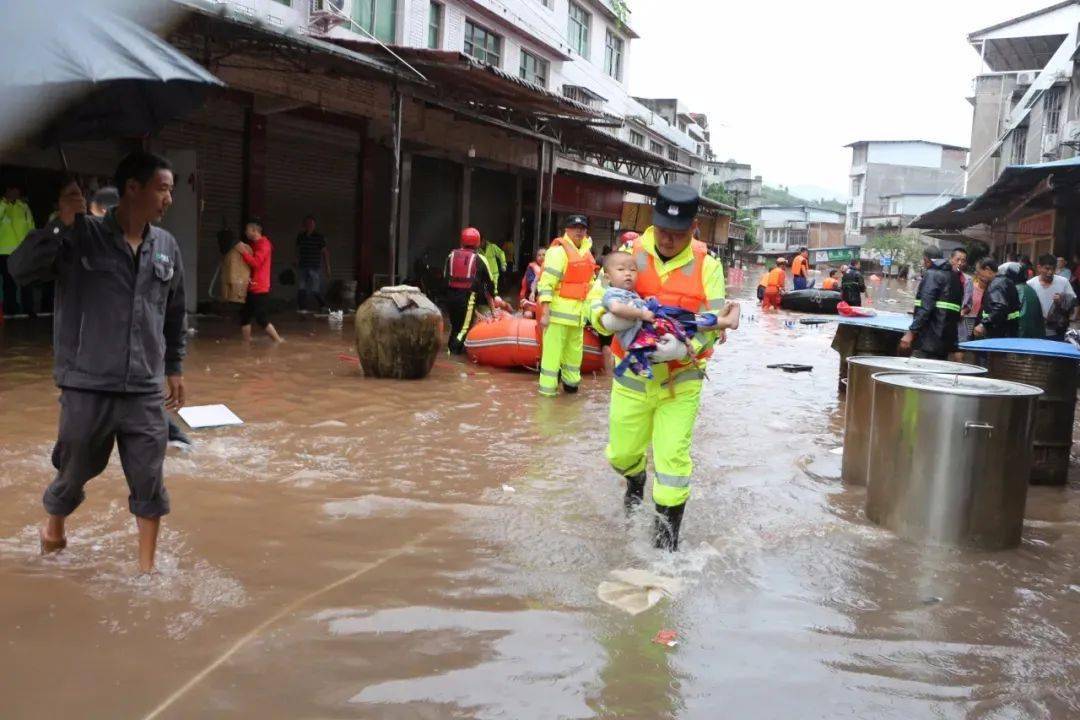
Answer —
119 339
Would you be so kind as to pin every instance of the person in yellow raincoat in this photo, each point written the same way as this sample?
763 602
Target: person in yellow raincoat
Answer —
564 284
661 411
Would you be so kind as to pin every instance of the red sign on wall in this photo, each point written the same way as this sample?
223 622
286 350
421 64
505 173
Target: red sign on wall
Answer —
1040 225
592 197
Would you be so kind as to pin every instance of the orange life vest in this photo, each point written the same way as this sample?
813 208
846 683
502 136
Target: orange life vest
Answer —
578 277
830 284
684 288
775 281
798 266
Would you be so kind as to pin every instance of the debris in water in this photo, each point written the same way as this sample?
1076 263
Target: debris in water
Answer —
204 416
932 600
508 489
330 423
837 450
666 637
814 321
790 367
635 591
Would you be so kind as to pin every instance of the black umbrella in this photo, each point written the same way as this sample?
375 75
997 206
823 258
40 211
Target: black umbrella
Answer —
83 71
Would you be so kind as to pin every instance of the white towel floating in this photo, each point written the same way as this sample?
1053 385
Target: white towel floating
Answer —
204 416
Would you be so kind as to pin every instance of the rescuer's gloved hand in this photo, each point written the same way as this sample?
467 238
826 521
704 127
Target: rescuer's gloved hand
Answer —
616 324
668 348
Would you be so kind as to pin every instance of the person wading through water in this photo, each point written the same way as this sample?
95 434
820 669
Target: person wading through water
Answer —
661 411
119 339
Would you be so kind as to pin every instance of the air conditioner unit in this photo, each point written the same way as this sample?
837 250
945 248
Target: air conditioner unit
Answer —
1072 131
326 14
1050 143
1025 79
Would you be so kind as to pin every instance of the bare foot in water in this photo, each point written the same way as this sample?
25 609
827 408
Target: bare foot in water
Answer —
51 544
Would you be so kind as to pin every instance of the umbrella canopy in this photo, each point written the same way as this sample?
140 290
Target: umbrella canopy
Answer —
83 71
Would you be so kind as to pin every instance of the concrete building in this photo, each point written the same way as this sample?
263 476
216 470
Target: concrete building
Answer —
782 228
882 169
1026 96
738 179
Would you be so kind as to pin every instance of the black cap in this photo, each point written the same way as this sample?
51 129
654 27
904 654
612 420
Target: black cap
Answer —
578 219
675 208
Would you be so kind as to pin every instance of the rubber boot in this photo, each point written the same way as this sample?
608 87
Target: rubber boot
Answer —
666 527
635 492
569 389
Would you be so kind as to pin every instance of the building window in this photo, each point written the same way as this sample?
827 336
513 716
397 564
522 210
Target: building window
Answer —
534 69
547 3
637 138
673 154
613 56
1019 145
580 27
1052 110
856 186
377 17
854 221
434 25
286 3
656 147
482 44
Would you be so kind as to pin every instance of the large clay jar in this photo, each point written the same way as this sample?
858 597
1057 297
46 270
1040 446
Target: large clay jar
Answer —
398 333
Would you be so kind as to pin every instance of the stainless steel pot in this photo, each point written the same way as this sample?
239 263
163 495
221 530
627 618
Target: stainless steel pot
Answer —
1052 439
949 458
860 394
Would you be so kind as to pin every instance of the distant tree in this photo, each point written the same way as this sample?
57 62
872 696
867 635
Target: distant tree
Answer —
901 249
719 193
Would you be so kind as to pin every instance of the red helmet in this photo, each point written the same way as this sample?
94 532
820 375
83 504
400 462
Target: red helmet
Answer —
470 238
628 237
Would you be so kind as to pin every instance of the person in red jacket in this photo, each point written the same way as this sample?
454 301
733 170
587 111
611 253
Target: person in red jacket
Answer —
257 252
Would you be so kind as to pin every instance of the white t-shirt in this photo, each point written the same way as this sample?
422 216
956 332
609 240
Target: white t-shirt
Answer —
1046 293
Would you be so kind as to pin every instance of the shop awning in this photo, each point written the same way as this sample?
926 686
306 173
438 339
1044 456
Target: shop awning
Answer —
457 79
950 216
607 150
1018 181
220 35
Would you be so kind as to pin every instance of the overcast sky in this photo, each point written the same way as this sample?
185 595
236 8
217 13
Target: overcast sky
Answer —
787 84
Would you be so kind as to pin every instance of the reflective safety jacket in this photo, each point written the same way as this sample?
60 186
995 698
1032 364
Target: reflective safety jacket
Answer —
461 268
937 309
798 266
496 261
692 280
565 280
15 222
1001 309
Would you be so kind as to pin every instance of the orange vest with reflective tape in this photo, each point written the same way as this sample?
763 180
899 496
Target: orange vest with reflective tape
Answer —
580 268
684 288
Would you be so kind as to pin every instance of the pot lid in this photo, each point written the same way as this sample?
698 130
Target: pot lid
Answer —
958 385
915 365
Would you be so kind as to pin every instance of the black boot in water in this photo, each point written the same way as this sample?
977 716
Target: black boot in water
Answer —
666 528
635 491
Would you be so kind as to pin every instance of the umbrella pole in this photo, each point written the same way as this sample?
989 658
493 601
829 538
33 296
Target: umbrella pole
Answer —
63 157
395 180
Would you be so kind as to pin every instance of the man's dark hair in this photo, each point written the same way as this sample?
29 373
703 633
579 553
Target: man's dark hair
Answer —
933 252
1048 259
988 264
65 180
958 250
309 217
802 250
139 166
256 222
1013 257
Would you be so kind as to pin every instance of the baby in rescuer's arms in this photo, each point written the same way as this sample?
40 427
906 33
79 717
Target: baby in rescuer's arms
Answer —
630 312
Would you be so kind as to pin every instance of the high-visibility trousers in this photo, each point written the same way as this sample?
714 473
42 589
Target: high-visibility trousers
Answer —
562 349
461 307
662 413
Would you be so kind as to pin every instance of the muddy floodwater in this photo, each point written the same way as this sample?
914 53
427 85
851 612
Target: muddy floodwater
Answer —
378 549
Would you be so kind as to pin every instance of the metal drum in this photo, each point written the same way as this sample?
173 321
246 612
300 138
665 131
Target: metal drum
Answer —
851 341
949 458
1056 409
860 395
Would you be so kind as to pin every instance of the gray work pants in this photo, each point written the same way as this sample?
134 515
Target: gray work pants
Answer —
90 423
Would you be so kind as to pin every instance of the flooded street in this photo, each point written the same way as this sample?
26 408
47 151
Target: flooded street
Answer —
377 549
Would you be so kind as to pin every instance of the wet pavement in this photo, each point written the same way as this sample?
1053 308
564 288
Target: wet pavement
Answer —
352 552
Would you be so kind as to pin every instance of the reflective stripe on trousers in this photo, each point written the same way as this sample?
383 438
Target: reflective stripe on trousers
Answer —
659 417
561 353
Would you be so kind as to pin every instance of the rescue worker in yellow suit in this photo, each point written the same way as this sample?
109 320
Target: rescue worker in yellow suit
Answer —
564 284
662 411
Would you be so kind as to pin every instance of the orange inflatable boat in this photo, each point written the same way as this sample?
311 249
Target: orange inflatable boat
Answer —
512 341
